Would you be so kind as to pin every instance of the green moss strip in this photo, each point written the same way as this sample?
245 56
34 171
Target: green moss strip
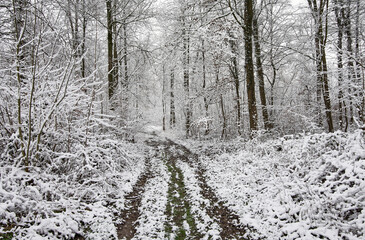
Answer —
6 236
178 208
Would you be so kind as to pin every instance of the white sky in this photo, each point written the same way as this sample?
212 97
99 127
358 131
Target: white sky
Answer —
298 2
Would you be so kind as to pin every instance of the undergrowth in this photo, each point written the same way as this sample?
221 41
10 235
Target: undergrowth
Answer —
294 187
68 195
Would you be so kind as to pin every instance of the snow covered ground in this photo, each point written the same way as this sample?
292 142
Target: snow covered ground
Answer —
207 226
304 187
74 194
152 219
295 187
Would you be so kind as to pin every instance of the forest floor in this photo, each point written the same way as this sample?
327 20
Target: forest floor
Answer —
294 187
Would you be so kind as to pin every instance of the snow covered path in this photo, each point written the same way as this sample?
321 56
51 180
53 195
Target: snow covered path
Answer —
172 200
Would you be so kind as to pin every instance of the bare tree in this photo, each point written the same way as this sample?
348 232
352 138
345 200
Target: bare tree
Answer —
319 10
249 67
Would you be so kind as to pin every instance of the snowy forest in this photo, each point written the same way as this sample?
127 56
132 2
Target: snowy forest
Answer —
182 119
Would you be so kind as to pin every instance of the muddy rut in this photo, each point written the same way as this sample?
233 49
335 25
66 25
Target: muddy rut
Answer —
127 229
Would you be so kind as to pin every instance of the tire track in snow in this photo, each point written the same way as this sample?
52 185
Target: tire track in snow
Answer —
150 224
207 226
127 228
228 221
186 216
180 222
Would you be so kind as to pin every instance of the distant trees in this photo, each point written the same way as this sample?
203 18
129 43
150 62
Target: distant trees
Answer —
349 66
71 68
275 47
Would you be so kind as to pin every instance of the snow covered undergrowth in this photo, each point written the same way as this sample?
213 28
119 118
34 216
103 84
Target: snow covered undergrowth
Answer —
71 194
309 187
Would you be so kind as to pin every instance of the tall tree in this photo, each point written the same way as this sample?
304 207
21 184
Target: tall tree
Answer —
359 67
249 67
172 98
20 13
185 33
260 74
350 55
319 10
112 83
235 75
340 25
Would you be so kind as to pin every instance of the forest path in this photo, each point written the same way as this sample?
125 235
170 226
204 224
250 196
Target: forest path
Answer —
192 209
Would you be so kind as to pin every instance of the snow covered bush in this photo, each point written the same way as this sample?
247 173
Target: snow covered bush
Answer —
75 193
296 187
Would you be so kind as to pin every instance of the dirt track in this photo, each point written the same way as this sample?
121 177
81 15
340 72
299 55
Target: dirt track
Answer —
180 221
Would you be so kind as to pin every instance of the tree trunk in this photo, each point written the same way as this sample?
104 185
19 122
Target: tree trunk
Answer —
186 64
360 79
350 62
115 49
326 93
250 81
163 99
111 81
126 74
320 43
224 127
83 45
260 75
234 73
339 20
172 99
206 105
20 25
319 78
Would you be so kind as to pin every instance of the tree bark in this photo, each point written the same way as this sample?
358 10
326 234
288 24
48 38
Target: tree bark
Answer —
250 81
350 62
318 12
172 99
163 99
111 81
206 105
186 65
125 84
339 21
260 75
20 25
234 73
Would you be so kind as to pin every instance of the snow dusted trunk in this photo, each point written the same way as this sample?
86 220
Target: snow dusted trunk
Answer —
319 13
172 98
111 82
186 73
20 23
234 72
260 75
341 104
249 67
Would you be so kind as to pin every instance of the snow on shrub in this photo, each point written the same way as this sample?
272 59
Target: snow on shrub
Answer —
296 187
73 193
